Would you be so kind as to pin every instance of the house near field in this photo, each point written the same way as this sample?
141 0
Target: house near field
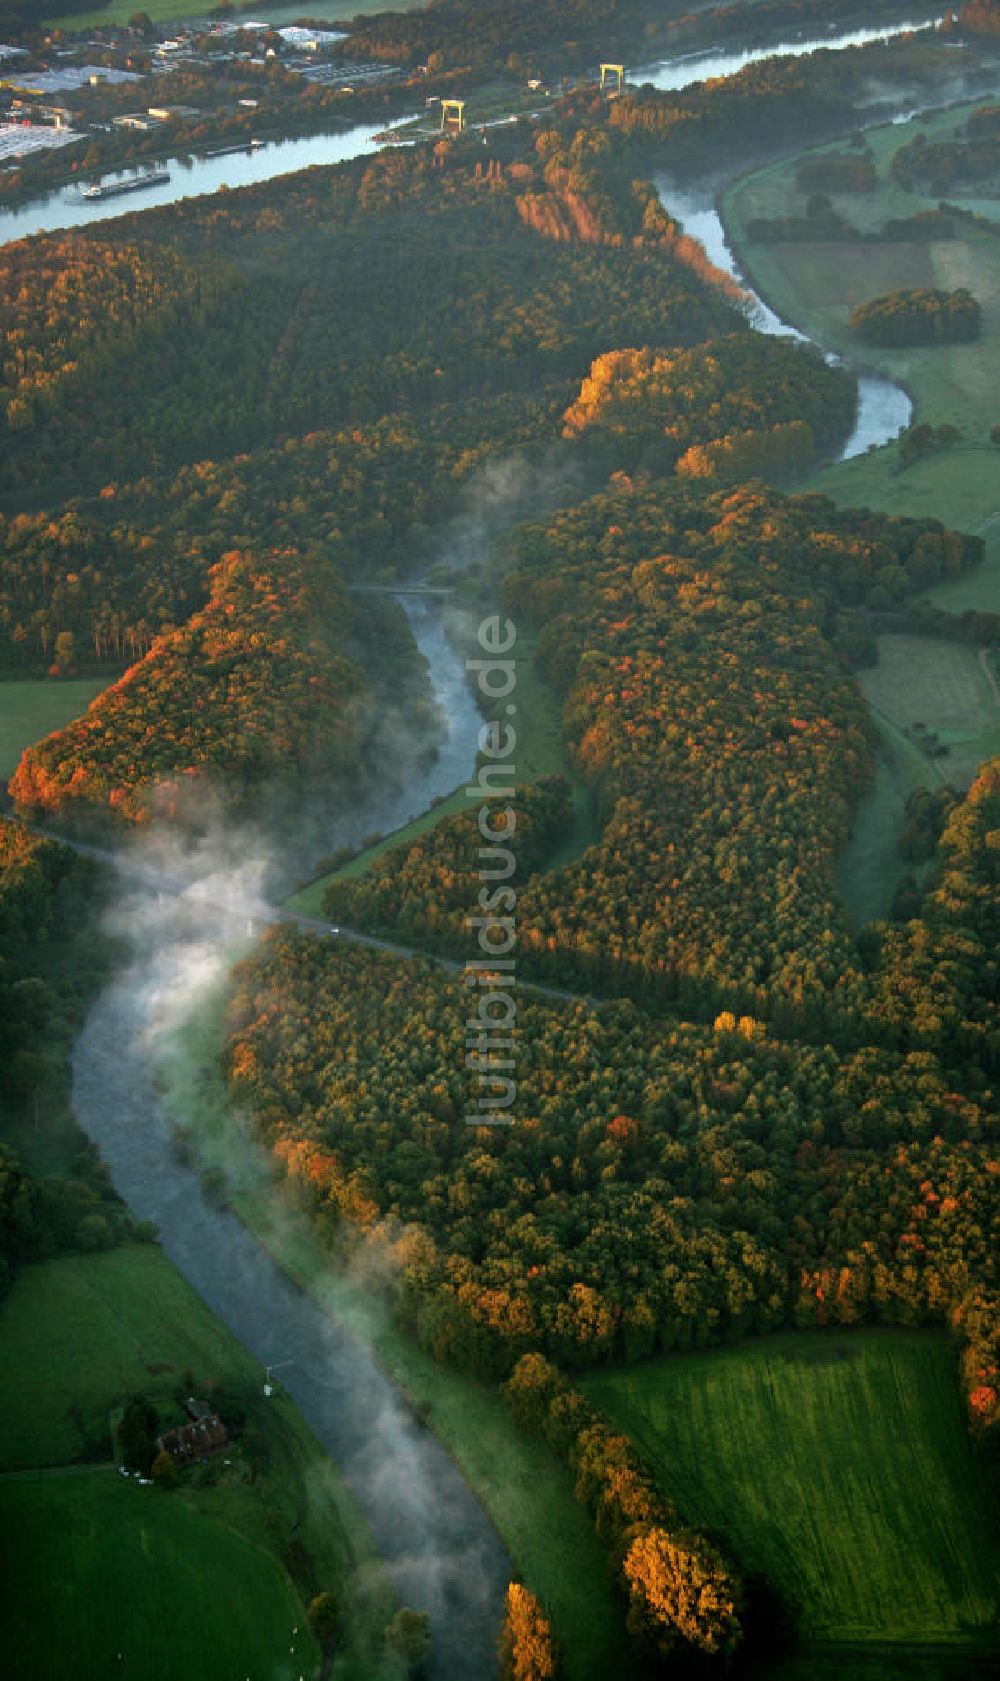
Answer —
203 1435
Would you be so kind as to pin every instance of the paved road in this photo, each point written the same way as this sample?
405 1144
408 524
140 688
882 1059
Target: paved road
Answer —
258 916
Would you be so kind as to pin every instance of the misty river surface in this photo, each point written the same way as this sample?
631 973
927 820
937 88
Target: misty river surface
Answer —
434 1535
437 1541
439 1546
396 802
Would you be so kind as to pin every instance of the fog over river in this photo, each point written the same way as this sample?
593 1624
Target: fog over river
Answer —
441 1549
437 1539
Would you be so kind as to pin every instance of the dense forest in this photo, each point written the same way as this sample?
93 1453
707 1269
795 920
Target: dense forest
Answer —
739 1113
258 350
697 1182
68 304
656 408
390 418
776 101
701 645
133 562
279 434
255 689
44 894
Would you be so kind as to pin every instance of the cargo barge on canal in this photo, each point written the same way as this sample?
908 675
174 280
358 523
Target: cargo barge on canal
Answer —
130 184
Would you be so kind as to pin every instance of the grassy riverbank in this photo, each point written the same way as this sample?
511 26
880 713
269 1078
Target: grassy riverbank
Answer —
540 751
100 1328
815 285
523 1487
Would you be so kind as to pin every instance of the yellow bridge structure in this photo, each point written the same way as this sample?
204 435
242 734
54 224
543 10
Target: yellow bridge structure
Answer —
453 115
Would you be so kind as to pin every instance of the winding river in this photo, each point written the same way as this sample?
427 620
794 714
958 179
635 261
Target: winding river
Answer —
461 721
438 1542
884 408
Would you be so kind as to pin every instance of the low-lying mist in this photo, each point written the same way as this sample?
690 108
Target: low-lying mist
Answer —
147 1070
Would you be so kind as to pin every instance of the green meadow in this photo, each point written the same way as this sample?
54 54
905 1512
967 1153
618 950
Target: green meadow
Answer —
871 866
815 285
34 707
118 12
148 1586
102 1327
837 1465
921 680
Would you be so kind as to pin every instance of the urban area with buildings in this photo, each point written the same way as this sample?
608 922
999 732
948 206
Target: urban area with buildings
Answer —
113 79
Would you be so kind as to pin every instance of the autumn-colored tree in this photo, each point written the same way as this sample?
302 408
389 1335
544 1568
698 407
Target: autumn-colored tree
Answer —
680 1589
527 1652
530 1391
65 650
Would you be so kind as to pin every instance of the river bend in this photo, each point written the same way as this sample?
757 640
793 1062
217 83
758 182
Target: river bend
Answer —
438 1543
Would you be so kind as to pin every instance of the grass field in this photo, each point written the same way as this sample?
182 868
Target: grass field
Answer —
80 1333
816 285
871 866
540 751
178 11
147 1586
29 710
838 1466
919 679
523 1486
98 1327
